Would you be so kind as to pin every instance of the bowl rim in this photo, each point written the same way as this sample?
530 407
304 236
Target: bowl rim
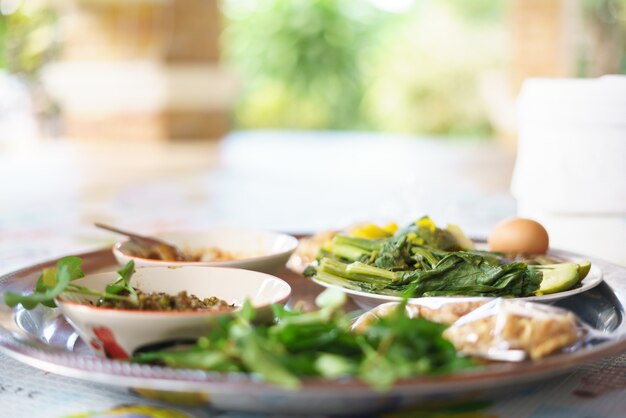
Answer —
81 307
294 242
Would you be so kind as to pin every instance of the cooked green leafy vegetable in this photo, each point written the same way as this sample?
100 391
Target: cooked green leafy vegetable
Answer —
319 343
425 259
56 280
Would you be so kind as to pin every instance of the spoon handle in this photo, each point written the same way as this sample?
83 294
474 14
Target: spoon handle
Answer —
166 250
128 234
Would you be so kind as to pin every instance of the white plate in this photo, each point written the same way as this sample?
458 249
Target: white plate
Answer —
368 301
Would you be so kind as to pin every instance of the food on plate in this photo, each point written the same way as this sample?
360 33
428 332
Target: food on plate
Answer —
370 231
448 313
250 249
519 236
217 254
320 343
118 295
159 301
308 249
51 283
560 277
392 342
454 274
503 328
149 247
424 260
441 313
209 254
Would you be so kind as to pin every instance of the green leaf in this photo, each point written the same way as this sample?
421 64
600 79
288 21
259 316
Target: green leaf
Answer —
320 343
204 360
123 283
47 287
247 312
73 266
259 359
334 366
41 285
127 271
47 279
331 298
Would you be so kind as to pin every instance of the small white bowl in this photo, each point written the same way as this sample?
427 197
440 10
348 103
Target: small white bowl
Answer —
118 333
263 250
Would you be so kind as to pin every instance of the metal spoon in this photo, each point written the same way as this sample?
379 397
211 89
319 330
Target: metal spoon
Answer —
151 247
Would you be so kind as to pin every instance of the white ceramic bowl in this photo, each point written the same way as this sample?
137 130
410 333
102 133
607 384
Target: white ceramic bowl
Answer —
118 333
262 250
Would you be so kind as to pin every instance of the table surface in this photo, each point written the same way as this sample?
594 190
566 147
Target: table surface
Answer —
51 194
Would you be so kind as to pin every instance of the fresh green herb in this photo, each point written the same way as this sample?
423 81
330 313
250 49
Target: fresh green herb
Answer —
319 344
397 347
56 280
50 284
122 284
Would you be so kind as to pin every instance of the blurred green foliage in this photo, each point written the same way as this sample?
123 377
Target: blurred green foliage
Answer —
354 64
345 64
604 51
427 78
302 60
27 38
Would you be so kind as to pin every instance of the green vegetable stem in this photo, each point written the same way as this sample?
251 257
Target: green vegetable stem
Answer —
54 281
426 260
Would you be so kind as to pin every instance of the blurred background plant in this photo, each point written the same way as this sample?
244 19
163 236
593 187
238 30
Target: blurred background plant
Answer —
302 61
27 36
418 67
427 78
603 46
399 66
28 41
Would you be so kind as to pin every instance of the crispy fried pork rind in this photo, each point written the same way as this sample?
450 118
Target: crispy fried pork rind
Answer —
440 310
499 329
511 329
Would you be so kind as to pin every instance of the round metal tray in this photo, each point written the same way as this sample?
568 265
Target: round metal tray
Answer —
43 339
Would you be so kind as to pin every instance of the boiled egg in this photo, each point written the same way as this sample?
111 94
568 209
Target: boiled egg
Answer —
519 236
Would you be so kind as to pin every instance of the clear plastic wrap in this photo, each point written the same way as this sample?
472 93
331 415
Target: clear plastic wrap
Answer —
498 329
508 329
